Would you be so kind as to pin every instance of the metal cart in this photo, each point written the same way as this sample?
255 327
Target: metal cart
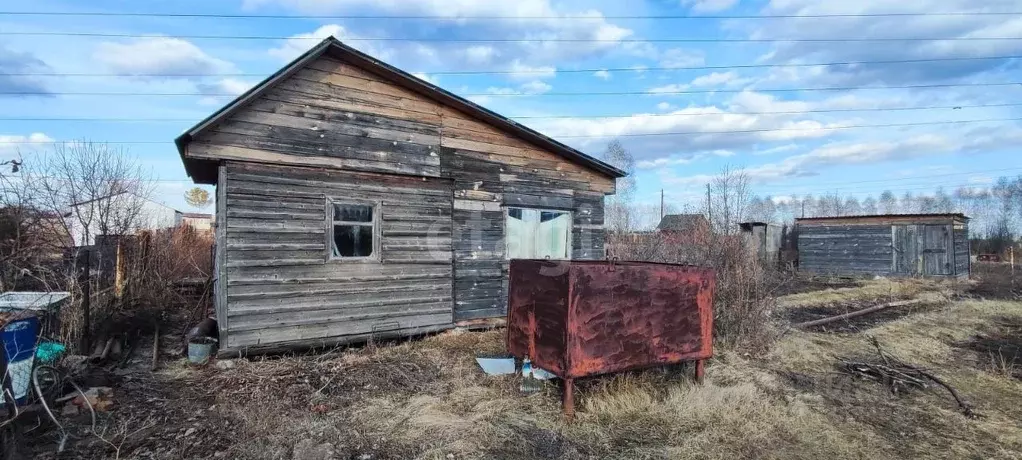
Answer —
29 384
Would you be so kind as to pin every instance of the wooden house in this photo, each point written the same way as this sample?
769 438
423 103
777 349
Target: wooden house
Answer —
357 201
889 245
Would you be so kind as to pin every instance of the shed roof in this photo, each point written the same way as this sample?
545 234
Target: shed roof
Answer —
870 218
203 171
683 222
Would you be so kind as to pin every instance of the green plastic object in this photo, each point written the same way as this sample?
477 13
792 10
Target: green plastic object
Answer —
49 352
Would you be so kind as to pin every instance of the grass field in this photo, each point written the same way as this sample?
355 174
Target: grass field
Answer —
427 398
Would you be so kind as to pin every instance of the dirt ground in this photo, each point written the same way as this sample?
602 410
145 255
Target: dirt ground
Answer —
426 398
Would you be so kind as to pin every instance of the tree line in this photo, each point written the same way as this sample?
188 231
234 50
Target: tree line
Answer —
996 211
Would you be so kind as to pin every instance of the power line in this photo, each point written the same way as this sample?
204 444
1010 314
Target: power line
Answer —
553 117
463 17
817 128
590 136
546 71
652 92
964 173
511 40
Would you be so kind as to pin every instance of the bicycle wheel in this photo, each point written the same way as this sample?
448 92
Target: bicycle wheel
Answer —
8 412
49 384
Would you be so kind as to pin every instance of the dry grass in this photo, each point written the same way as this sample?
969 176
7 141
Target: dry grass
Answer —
427 399
876 290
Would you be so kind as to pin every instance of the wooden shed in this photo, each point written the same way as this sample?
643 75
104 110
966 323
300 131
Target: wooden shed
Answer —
764 239
355 200
890 245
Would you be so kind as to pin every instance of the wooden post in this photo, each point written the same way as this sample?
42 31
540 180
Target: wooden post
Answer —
86 282
568 398
700 370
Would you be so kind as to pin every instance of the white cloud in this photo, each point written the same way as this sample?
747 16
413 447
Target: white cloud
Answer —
680 57
834 154
481 54
222 90
921 26
532 87
536 87
709 6
158 55
427 78
297 44
522 71
602 74
664 106
13 144
719 79
588 32
668 89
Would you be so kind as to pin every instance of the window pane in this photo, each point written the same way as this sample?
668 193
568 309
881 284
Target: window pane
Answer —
353 213
535 234
552 235
353 241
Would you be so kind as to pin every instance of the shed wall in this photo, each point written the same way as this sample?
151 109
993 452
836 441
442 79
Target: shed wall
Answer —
847 249
281 287
963 262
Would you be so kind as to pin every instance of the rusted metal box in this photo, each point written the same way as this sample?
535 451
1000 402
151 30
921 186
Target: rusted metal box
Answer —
583 318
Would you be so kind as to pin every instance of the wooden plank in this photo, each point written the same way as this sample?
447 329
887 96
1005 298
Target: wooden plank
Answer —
334 330
200 150
220 283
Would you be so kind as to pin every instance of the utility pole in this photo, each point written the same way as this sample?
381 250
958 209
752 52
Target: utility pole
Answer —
709 215
661 204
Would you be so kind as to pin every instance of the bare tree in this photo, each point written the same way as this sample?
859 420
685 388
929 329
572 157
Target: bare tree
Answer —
99 189
617 207
888 203
197 197
869 206
729 198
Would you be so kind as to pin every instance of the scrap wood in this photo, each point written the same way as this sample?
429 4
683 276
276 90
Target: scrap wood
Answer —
899 376
156 348
865 311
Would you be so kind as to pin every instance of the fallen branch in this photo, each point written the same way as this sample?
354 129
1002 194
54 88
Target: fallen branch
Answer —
900 376
156 348
865 311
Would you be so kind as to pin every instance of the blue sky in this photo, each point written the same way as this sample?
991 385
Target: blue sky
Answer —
784 153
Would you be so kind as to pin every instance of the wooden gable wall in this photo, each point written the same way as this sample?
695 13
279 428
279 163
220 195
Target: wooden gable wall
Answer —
331 114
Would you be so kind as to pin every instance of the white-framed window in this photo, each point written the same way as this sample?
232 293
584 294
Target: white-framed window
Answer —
353 230
537 233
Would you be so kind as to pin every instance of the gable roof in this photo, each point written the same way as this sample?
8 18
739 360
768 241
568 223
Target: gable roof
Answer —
683 222
337 49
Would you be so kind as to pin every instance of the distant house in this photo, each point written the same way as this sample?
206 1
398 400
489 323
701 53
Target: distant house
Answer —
198 221
122 213
897 245
685 229
684 223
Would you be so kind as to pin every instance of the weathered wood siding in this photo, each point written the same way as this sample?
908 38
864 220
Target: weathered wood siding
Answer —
335 115
962 252
845 249
281 286
220 254
483 188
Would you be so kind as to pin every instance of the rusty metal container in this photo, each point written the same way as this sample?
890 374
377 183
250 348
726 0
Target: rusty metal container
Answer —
583 318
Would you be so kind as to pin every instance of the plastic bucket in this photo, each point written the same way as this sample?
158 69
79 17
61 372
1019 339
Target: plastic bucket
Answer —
19 339
199 351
